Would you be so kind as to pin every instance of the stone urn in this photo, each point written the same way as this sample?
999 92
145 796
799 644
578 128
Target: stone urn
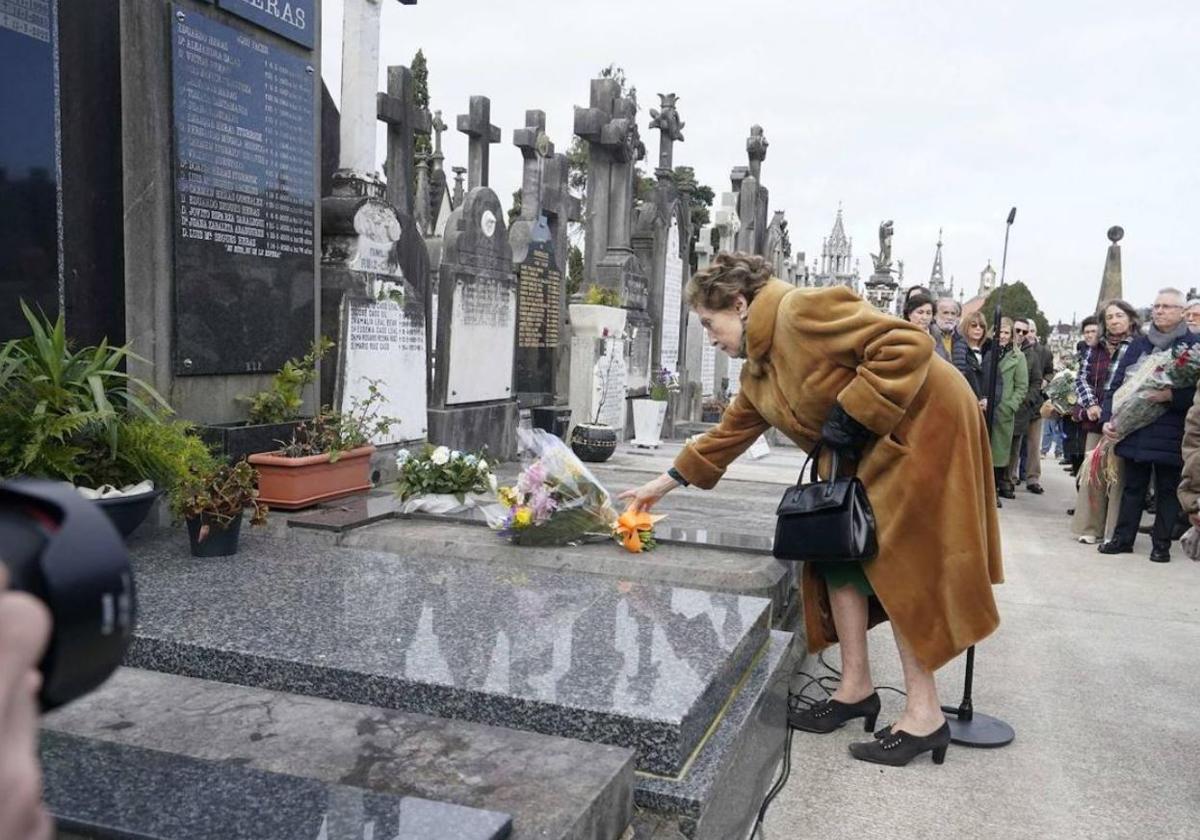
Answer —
593 442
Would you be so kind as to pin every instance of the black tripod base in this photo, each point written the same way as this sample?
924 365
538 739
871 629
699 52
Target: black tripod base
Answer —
981 730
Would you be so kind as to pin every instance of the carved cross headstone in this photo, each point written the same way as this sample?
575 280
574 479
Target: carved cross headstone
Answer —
670 129
459 172
756 150
438 127
404 121
477 125
535 147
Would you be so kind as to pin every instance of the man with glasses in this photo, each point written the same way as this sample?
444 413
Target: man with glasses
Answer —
1156 448
1027 426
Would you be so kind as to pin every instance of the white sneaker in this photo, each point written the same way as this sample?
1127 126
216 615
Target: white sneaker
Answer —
1086 540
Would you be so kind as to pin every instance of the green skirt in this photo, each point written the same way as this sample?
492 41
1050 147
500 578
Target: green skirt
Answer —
842 574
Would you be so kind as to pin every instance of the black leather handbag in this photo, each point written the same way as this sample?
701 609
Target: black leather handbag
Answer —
825 521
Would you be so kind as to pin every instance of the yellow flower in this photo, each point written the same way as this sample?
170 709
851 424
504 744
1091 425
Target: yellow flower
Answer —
523 518
507 496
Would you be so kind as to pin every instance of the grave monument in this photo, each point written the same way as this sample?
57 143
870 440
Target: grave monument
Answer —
473 403
753 197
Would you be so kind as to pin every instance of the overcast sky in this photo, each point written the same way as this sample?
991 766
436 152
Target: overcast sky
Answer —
1082 113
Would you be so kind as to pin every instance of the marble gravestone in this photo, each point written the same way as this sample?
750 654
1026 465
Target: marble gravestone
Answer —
473 404
701 355
727 224
609 127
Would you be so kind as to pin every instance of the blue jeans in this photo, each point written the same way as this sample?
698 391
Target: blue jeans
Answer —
1052 436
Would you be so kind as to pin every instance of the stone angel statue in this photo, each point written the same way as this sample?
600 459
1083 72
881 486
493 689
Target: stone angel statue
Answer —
883 260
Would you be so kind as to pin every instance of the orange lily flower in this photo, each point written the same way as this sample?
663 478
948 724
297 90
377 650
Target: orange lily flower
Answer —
629 526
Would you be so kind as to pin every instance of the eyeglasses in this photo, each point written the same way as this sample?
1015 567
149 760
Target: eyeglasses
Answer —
1020 331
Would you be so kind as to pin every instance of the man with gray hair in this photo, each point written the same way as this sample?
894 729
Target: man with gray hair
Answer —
1156 448
950 343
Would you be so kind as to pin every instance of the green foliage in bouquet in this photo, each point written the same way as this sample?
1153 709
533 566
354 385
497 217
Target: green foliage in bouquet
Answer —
442 471
284 399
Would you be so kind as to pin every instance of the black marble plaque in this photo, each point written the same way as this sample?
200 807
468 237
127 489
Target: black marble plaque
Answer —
245 191
28 170
539 301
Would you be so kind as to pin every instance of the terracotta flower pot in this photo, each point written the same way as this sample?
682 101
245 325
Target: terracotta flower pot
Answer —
293 483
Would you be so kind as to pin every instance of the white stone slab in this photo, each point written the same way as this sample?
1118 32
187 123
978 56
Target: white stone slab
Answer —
672 299
608 383
483 321
384 344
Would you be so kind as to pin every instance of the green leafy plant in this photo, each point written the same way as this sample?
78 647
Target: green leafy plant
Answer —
63 411
283 400
220 494
334 432
440 470
165 451
600 296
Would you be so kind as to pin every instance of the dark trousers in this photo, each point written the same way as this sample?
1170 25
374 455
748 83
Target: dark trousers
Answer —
1133 497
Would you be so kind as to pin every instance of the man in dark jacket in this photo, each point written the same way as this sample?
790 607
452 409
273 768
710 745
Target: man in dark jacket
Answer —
1154 448
1027 426
950 343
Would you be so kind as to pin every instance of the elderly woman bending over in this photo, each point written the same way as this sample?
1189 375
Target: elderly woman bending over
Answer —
824 366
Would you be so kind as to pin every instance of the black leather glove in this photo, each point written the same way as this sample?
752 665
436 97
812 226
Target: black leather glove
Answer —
843 433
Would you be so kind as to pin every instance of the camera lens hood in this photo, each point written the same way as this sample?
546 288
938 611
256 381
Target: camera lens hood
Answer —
81 571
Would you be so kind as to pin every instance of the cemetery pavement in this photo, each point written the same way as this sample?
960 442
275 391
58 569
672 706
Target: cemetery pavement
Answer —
1094 667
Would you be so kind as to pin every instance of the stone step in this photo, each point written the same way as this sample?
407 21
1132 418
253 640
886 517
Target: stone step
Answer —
554 788
630 664
103 789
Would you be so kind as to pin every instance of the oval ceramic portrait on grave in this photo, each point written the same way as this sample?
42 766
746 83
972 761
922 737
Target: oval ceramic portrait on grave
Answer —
487 223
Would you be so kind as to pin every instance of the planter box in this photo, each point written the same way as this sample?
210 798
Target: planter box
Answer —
590 319
237 440
293 483
648 416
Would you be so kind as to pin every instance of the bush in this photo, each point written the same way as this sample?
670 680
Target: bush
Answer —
220 493
283 400
600 296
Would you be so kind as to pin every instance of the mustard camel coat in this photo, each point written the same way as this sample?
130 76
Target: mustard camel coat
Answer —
928 474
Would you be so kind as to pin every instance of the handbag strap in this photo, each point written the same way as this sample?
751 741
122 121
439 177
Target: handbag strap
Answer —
813 458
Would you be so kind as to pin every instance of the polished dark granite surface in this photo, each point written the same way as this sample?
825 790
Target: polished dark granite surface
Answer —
601 660
106 790
554 788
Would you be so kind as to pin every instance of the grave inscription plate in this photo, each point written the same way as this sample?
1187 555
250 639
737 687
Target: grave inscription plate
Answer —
539 299
672 299
385 343
293 19
480 358
245 199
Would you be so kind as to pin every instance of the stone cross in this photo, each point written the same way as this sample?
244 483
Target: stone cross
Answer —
457 197
477 125
756 150
360 70
535 147
671 129
404 119
421 210
438 127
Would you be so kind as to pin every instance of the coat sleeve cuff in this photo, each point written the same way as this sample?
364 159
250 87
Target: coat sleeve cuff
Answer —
698 470
869 407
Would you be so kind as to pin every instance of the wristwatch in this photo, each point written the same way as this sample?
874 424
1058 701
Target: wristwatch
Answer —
678 476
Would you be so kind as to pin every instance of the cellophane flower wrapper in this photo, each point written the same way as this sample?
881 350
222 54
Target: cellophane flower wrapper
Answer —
556 500
1178 367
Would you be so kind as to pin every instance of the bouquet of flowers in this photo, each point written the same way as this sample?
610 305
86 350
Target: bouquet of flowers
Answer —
557 501
1177 367
441 481
1061 392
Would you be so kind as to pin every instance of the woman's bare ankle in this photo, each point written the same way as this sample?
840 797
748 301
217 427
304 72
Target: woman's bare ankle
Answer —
851 694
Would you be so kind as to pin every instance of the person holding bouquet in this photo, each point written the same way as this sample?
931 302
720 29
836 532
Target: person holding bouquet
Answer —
825 367
1154 448
1097 503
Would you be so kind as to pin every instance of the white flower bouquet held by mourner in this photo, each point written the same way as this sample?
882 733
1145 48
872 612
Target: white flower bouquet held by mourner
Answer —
439 480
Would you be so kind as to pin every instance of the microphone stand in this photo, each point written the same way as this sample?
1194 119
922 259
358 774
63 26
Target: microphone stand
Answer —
968 727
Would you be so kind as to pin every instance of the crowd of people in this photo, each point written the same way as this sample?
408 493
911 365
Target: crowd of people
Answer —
1147 469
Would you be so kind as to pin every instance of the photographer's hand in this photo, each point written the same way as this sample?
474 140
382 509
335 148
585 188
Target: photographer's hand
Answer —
24 632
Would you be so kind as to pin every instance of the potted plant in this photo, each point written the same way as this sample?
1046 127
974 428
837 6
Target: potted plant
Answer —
212 502
326 459
274 413
75 415
650 411
600 310
600 316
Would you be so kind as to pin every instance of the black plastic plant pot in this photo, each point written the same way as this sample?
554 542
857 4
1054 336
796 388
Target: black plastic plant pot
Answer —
220 540
593 442
128 512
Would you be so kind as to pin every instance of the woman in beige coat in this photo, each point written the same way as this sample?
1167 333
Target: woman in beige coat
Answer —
824 365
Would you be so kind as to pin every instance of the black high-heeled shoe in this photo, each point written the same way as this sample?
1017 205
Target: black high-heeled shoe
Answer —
829 715
899 747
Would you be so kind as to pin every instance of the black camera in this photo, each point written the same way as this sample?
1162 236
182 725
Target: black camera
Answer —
62 549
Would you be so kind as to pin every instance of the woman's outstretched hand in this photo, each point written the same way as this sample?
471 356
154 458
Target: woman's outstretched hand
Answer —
646 496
